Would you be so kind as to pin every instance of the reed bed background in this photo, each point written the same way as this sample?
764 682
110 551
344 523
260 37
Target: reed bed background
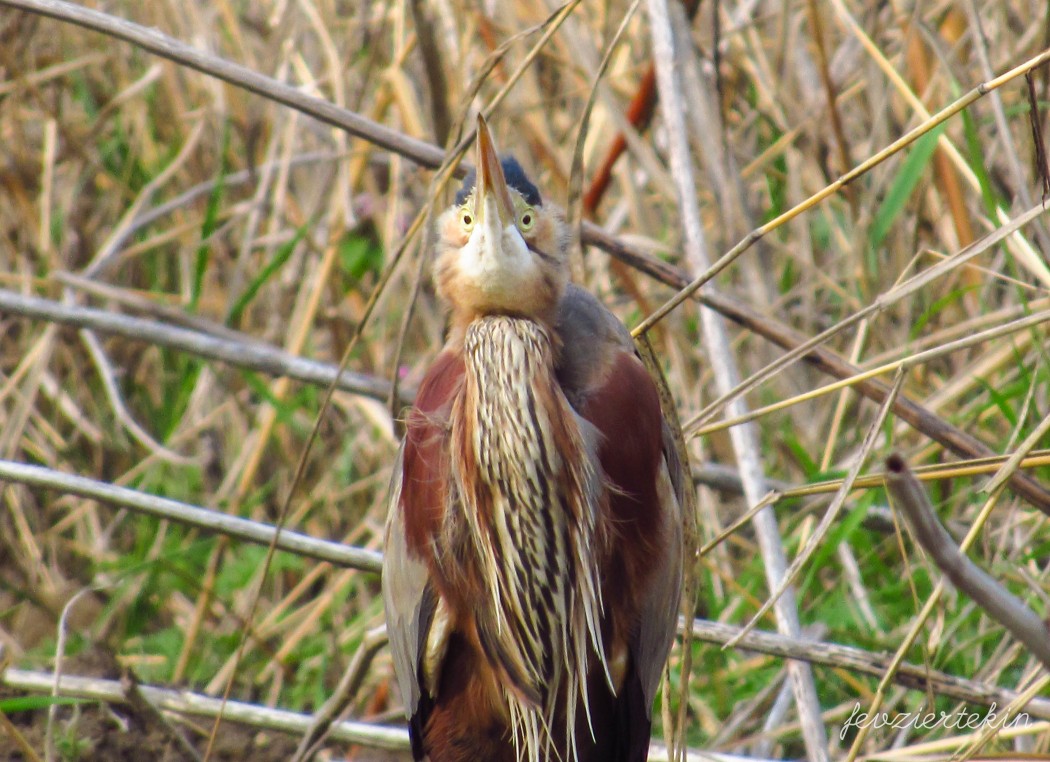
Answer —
184 263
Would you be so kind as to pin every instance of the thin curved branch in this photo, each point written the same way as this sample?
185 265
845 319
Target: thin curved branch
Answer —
246 353
196 704
120 409
324 719
998 602
192 515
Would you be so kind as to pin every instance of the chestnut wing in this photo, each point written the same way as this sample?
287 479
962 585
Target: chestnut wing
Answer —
416 505
608 385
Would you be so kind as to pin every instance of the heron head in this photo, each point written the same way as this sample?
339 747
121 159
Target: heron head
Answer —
501 250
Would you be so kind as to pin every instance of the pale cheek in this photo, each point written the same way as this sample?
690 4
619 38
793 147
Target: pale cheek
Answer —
457 237
548 237
452 231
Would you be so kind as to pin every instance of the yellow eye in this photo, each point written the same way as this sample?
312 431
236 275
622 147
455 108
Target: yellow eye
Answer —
467 219
526 219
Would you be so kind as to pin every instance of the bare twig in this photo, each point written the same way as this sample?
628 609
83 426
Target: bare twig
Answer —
140 303
986 592
344 693
56 675
726 479
396 738
196 704
120 410
915 676
145 195
247 353
202 518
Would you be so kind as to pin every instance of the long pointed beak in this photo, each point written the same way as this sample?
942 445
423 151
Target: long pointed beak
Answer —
491 183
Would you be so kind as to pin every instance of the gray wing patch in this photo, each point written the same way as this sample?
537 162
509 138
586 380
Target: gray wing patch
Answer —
408 599
591 337
659 614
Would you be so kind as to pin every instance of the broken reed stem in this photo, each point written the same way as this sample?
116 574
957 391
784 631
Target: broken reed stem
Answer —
998 602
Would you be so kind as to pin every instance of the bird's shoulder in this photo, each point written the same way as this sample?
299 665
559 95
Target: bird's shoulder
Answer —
441 382
607 384
590 339
424 466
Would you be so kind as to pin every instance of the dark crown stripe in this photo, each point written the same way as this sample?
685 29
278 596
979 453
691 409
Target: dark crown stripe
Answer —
516 179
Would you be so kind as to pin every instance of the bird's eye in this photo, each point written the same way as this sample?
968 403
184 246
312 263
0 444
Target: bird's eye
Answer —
526 220
468 220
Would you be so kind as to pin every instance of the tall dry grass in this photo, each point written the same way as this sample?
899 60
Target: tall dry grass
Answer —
134 185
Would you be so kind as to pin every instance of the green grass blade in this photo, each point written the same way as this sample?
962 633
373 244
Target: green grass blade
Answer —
211 223
280 257
31 703
903 185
